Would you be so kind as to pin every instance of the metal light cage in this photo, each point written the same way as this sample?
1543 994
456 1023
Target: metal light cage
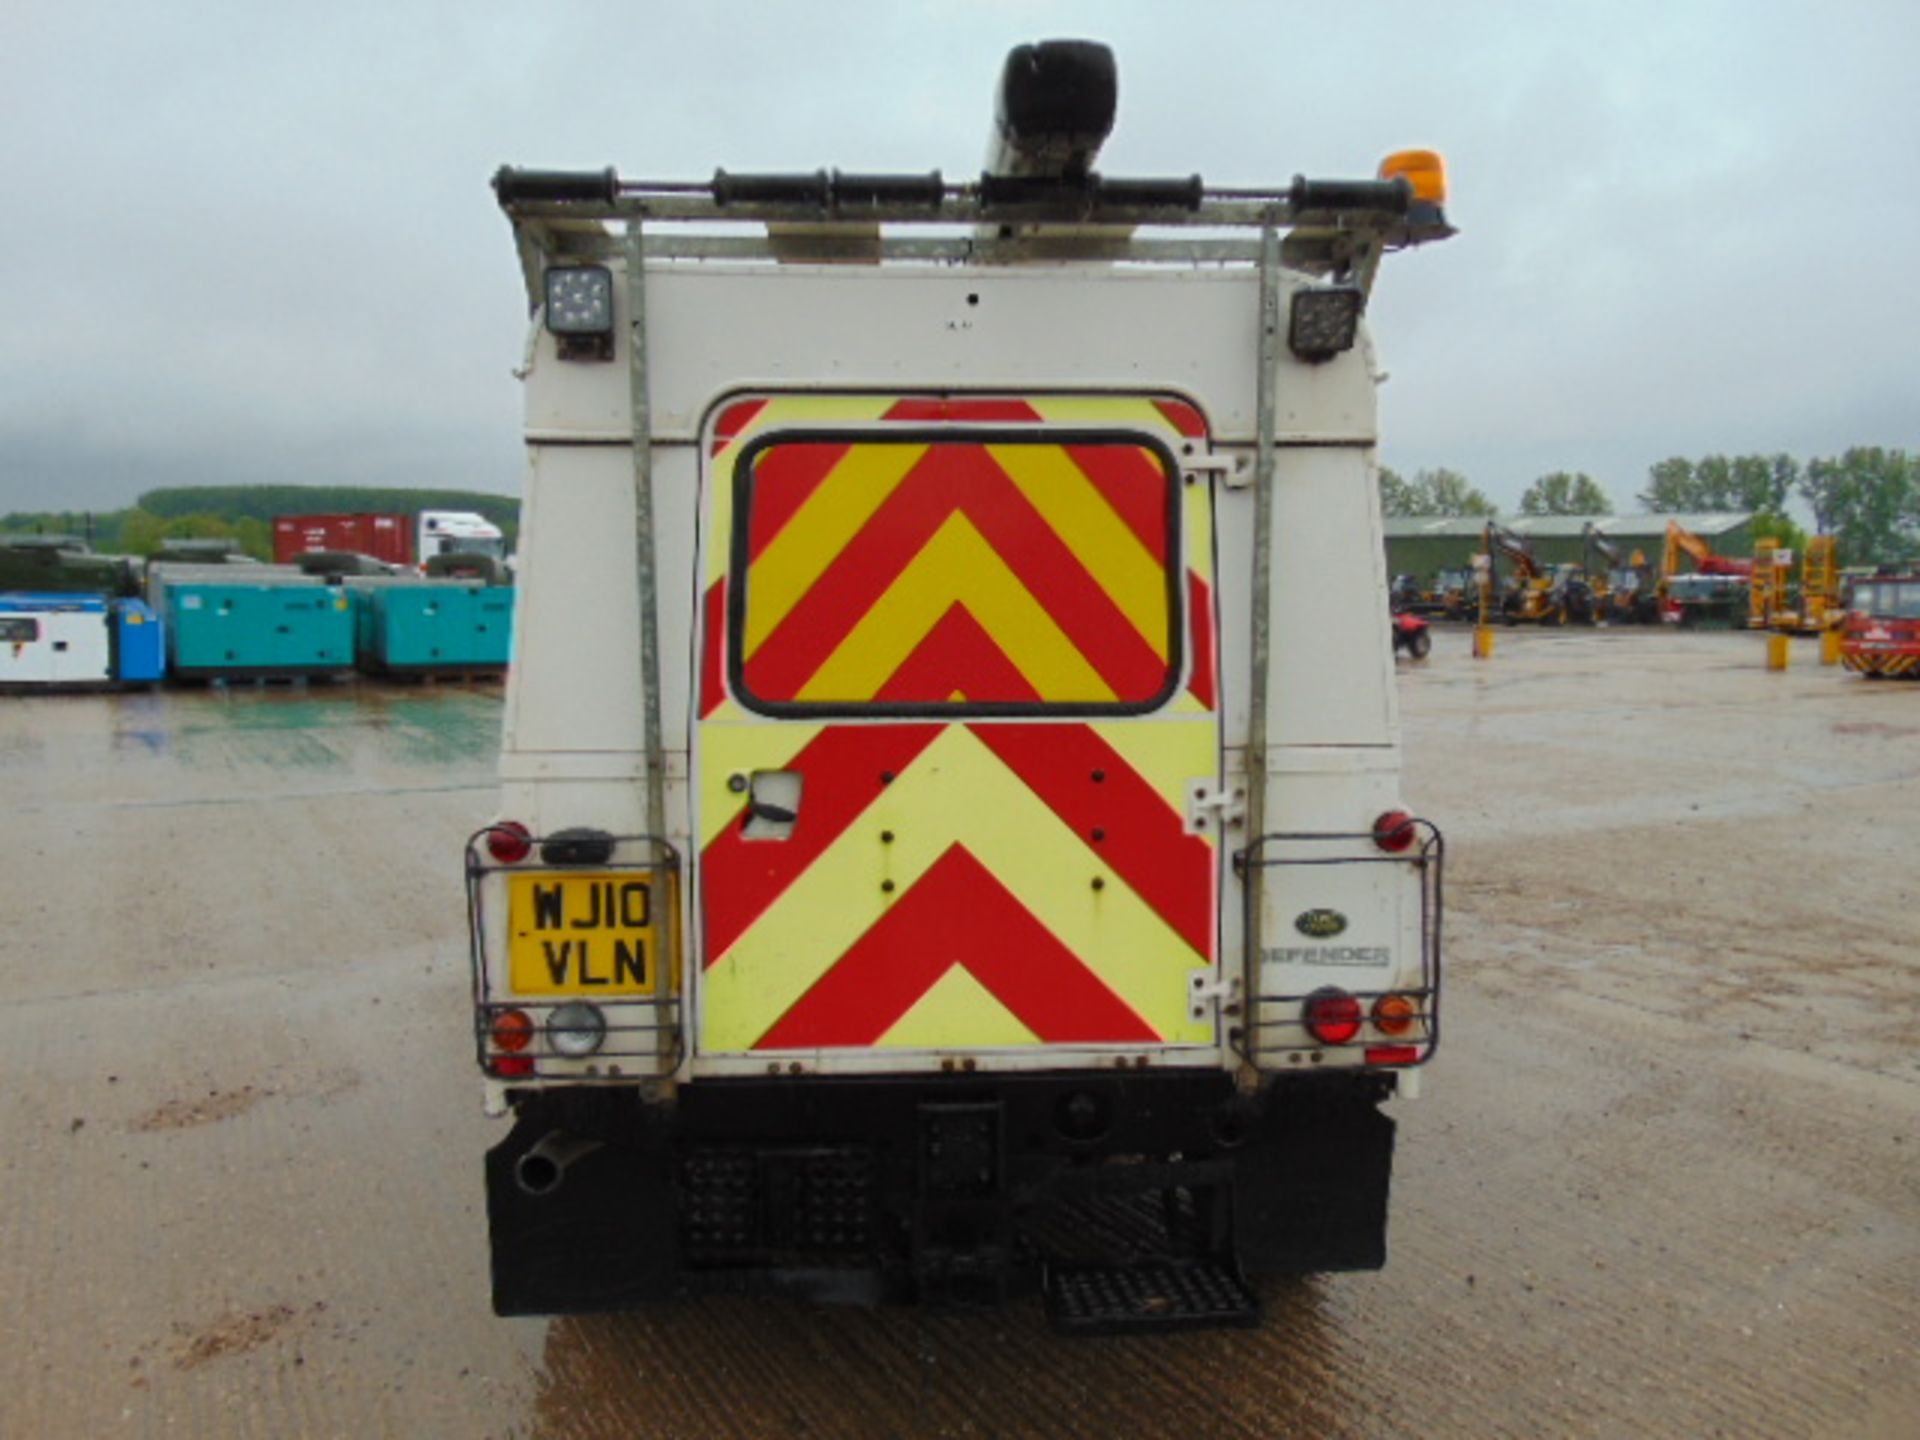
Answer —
644 1038
1261 1040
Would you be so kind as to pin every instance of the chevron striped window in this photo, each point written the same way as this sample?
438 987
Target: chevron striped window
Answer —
955 572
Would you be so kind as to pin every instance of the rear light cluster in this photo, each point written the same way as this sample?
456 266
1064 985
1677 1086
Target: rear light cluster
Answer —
573 1031
1333 1017
511 1032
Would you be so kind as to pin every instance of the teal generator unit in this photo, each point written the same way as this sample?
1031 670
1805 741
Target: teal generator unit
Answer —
242 631
418 629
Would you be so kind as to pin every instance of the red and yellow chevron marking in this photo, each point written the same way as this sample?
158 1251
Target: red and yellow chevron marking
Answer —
1880 662
1076 907
1032 570
1088 547
980 882
1012 956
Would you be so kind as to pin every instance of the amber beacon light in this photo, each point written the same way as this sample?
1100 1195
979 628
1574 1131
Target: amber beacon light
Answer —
1424 170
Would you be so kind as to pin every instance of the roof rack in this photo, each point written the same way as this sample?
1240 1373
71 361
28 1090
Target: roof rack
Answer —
1330 227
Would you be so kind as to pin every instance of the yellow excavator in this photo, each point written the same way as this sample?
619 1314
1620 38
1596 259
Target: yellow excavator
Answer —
1535 595
1622 586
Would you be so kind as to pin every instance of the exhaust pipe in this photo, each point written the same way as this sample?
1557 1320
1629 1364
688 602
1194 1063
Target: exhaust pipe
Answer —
541 1169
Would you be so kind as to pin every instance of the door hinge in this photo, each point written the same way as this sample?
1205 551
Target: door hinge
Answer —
1207 989
1212 809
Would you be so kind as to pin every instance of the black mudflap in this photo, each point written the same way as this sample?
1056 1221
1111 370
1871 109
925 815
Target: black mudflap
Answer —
1149 1297
604 1238
1310 1189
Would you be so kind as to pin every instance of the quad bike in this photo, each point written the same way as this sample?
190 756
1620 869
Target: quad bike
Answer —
1412 636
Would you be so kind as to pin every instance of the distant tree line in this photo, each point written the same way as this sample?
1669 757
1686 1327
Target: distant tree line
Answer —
244 514
1869 498
1432 492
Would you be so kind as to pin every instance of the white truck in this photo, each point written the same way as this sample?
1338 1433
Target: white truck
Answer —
458 532
951 841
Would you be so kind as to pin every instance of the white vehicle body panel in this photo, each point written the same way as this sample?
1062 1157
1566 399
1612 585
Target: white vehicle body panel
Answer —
573 752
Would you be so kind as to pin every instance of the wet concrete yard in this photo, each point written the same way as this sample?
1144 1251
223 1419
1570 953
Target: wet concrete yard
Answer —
1664 1180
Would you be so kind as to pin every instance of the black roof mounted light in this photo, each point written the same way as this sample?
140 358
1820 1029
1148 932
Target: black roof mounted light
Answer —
1054 109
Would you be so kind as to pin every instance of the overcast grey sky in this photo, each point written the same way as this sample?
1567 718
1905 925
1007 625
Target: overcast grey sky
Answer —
246 242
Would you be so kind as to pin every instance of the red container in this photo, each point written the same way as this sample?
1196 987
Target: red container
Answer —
385 537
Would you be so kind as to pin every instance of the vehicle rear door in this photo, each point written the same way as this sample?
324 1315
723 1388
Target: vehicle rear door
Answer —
956 723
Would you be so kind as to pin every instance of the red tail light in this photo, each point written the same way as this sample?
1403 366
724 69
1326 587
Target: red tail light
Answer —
509 842
1394 832
507 1066
1332 1016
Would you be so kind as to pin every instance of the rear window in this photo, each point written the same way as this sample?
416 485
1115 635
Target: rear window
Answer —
945 572
18 629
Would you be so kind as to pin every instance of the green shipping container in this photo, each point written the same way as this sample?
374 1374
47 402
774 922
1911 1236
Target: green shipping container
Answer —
216 630
413 628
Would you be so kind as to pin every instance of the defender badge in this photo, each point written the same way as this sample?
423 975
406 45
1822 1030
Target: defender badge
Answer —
1320 924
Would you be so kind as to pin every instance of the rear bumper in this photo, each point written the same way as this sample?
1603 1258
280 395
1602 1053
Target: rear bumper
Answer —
949 1191
1867 660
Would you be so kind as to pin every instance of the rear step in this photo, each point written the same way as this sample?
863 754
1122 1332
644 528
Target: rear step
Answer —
1149 1297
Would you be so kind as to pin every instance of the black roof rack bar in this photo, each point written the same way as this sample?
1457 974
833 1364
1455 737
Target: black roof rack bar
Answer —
832 196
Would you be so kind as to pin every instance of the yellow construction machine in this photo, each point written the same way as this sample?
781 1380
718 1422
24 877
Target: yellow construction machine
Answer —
1816 608
1622 586
1535 595
1711 595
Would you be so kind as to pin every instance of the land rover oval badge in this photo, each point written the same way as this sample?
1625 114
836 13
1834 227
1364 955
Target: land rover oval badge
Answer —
1320 924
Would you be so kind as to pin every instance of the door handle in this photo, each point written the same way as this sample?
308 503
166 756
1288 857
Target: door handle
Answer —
773 804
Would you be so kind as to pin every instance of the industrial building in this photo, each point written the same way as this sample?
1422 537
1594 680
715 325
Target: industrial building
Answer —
1424 544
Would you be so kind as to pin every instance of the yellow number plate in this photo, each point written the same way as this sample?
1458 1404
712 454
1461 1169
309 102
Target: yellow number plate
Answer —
586 934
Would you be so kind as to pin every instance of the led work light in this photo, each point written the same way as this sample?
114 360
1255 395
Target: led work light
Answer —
1324 322
580 311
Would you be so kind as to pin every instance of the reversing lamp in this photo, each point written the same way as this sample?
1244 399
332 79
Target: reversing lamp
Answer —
1324 322
576 1029
580 311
